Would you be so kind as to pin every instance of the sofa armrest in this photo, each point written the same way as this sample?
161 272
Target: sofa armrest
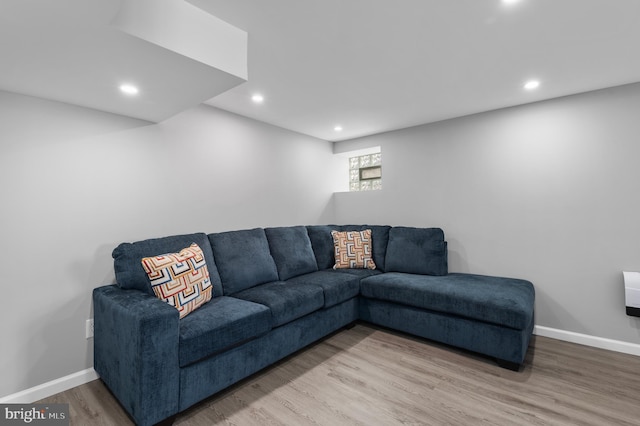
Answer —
136 339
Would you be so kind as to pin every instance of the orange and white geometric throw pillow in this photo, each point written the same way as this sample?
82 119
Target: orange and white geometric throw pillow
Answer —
352 249
180 279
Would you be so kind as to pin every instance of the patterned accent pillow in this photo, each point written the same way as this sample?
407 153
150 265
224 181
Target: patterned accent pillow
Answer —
180 279
352 249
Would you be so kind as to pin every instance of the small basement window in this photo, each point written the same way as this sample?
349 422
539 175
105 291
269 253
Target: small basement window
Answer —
365 172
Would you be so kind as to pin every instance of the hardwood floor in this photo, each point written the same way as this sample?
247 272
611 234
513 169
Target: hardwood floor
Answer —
371 376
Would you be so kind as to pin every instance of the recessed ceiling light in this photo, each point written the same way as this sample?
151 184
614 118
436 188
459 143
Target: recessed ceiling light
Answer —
338 128
532 84
510 1
129 89
257 98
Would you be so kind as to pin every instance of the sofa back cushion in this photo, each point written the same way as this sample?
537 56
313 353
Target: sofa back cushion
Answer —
379 241
291 250
417 251
243 259
323 245
127 259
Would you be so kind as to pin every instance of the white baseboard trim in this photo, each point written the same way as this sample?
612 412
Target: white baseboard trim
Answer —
587 340
62 384
53 387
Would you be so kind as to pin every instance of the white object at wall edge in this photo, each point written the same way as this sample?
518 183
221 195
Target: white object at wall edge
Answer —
632 289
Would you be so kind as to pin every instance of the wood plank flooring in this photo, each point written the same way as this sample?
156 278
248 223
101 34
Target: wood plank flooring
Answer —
370 376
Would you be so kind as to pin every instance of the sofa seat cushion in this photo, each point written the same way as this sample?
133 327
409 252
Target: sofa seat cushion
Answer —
287 301
503 301
361 273
219 325
337 287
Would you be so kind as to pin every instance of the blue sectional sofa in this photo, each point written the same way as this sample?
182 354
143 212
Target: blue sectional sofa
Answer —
275 291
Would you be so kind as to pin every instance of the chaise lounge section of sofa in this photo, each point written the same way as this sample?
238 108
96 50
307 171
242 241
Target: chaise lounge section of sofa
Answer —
275 291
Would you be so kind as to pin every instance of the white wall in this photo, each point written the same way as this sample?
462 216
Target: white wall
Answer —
549 192
76 182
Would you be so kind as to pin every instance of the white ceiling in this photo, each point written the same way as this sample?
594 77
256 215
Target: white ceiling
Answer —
81 51
368 65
